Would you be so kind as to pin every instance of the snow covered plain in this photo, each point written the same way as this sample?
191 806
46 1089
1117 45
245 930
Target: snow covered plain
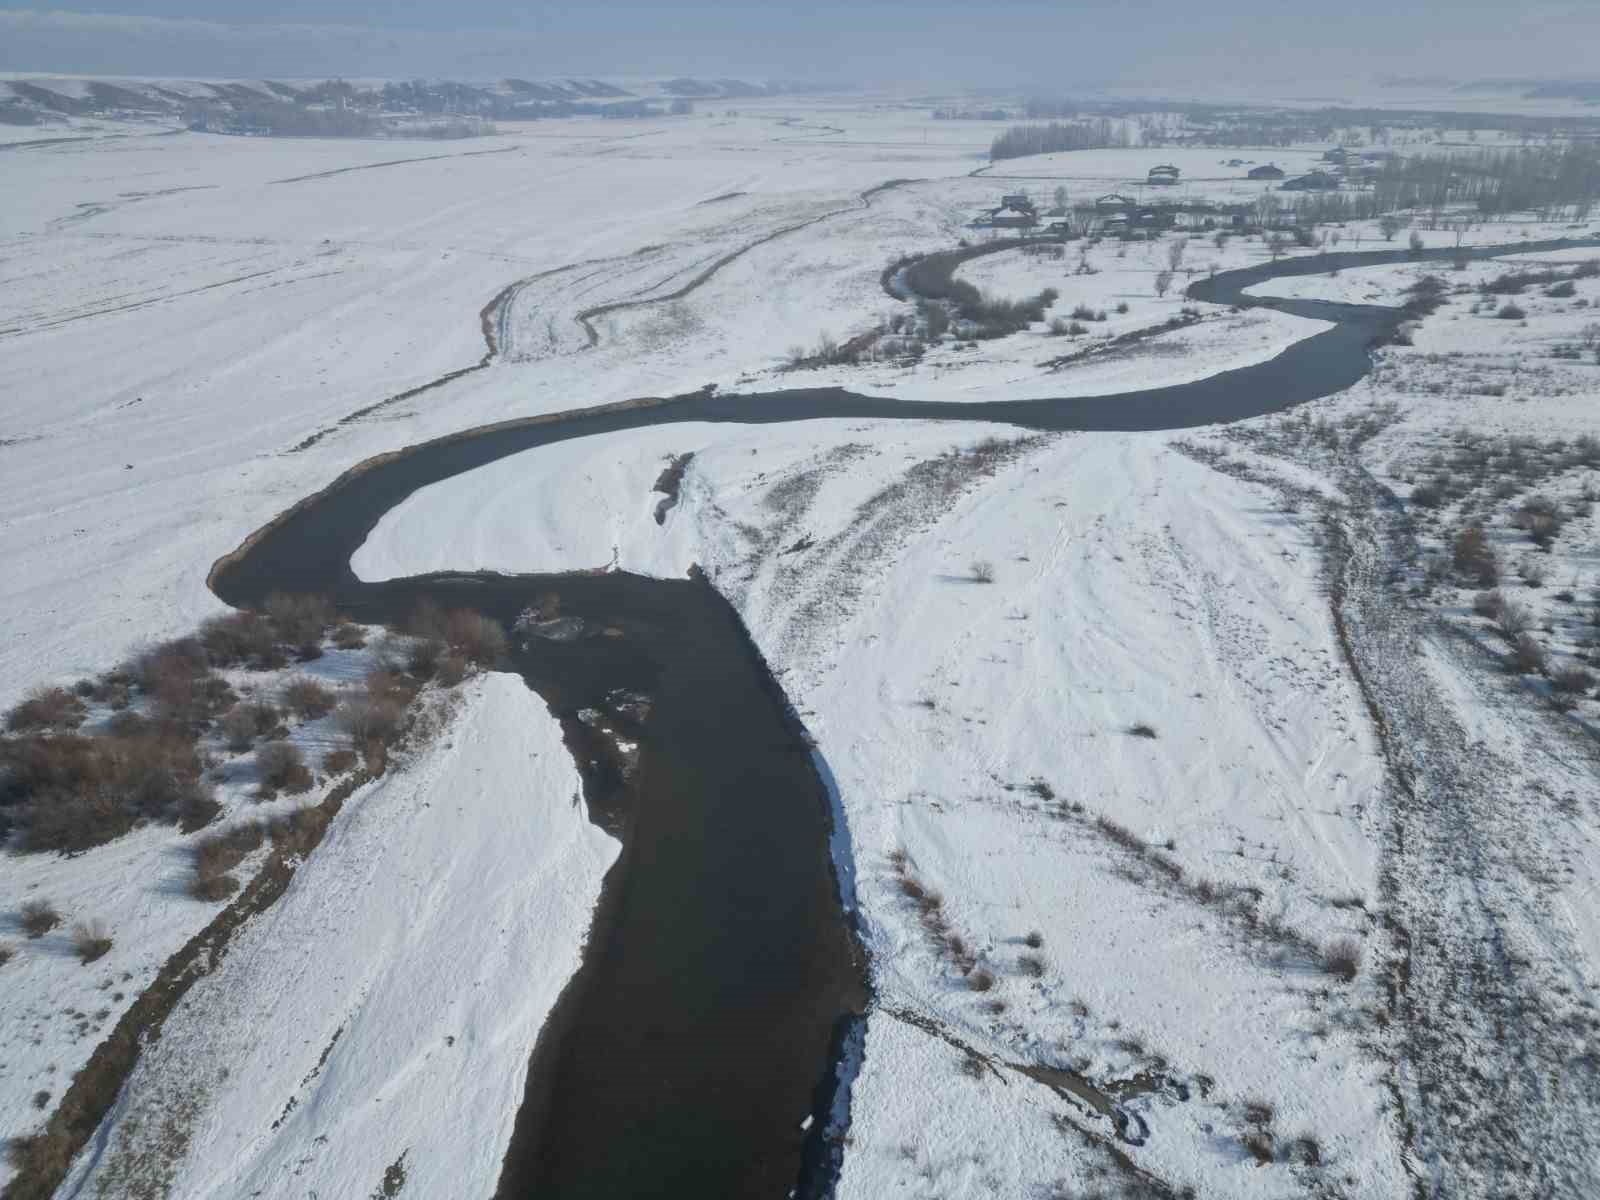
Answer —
170 351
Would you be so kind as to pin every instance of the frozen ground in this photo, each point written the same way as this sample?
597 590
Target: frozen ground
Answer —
182 315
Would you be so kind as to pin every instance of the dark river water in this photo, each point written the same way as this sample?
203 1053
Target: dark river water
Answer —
704 1026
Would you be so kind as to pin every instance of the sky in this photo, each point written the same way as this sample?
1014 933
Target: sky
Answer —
1041 43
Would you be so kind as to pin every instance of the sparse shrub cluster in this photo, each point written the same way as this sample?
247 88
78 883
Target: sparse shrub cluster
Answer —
90 940
930 908
69 793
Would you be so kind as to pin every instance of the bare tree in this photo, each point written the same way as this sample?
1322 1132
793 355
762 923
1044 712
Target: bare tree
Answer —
1591 335
1175 252
1276 245
1060 197
1389 225
1163 282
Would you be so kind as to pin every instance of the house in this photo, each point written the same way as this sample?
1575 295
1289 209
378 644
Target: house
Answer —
1162 176
1015 211
1269 171
1115 202
1316 181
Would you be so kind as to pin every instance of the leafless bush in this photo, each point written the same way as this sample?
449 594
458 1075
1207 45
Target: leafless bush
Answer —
308 699
1142 730
337 762
349 636
299 619
1034 940
70 792
1527 657
423 655
1511 312
1513 620
1342 958
7 953
1473 555
244 723
981 979
1574 681
300 831
39 917
242 639
1490 603
282 768
1540 517
1258 1143
1031 965
478 638
46 708
368 720
981 571
90 940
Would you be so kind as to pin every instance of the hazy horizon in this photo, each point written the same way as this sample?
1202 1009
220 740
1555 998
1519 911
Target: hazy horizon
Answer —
1034 43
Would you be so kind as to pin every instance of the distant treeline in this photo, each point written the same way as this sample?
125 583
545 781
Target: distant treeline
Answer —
1097 134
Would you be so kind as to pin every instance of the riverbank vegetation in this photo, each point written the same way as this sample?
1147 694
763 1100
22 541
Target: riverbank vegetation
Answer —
149 740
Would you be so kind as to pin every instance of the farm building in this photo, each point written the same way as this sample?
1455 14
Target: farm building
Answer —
1270 171
1162 176
1316 181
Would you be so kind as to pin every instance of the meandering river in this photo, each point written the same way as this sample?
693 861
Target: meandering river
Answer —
694 1052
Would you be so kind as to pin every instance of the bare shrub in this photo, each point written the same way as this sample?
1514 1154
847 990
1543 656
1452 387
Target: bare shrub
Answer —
7 953
214 888
300 831
46 708
452 670
1140 729
90 940
1473 555
337 762
299 620
368 720
1540 517
1527 657
981 571
423 655
71 793
1574 681
242 639
1121 835
1490 603
1031 965
1512 312
282 768
1258 1143
244 723
349 636
308 699
38 917
1034 940
981 979
1513 620
1342 958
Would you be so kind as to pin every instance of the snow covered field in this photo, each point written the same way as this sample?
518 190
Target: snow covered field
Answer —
1088 690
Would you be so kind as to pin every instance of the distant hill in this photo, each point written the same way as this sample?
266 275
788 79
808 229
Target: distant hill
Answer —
219 104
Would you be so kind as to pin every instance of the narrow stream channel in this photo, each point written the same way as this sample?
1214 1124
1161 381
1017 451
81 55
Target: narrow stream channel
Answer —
721 971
